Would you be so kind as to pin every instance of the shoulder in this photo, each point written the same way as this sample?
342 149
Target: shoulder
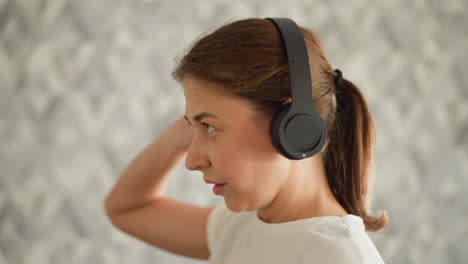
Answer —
342 240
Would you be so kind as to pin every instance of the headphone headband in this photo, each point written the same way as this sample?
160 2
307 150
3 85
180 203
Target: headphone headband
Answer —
297 130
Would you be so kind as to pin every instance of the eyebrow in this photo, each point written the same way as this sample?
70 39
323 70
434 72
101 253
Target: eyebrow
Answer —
200 116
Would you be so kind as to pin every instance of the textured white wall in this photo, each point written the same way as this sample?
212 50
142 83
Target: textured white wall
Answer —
85 86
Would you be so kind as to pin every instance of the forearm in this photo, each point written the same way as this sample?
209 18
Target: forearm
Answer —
143 180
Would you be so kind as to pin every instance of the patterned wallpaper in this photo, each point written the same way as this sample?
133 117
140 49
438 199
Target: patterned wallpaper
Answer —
85 86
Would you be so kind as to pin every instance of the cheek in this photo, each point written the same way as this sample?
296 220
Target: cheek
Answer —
248 161
252 176
247 152
239 156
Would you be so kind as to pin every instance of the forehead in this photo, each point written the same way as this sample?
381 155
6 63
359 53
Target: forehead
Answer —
195 89
204 96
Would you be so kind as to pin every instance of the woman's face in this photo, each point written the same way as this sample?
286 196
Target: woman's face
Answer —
233 148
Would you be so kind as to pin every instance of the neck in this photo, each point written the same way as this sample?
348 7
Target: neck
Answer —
303 195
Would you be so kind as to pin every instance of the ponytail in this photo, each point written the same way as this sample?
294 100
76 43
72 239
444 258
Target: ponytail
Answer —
348 158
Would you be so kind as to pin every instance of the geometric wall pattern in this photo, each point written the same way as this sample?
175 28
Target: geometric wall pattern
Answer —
86 85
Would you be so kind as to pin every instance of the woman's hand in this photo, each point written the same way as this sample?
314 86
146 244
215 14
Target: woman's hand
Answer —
181 133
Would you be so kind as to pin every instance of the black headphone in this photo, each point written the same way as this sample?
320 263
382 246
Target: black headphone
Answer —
297 130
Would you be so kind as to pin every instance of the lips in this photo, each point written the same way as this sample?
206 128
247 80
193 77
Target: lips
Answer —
218 189
213 182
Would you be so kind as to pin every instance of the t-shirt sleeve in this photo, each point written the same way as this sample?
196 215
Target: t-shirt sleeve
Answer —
215 223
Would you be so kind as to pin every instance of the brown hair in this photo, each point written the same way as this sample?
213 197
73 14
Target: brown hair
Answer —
248 59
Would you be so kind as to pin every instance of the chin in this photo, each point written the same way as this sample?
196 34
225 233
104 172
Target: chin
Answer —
236 207
231 207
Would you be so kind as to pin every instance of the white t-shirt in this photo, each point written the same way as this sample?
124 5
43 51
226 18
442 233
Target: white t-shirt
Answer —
243 238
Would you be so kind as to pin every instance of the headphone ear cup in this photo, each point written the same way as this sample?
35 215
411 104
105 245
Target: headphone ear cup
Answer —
303 134
275 127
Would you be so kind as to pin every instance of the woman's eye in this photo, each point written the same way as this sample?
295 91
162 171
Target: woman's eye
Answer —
205 124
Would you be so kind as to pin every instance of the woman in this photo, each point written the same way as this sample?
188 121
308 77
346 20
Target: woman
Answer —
275 209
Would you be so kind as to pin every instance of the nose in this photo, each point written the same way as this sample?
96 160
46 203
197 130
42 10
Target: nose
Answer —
196 158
